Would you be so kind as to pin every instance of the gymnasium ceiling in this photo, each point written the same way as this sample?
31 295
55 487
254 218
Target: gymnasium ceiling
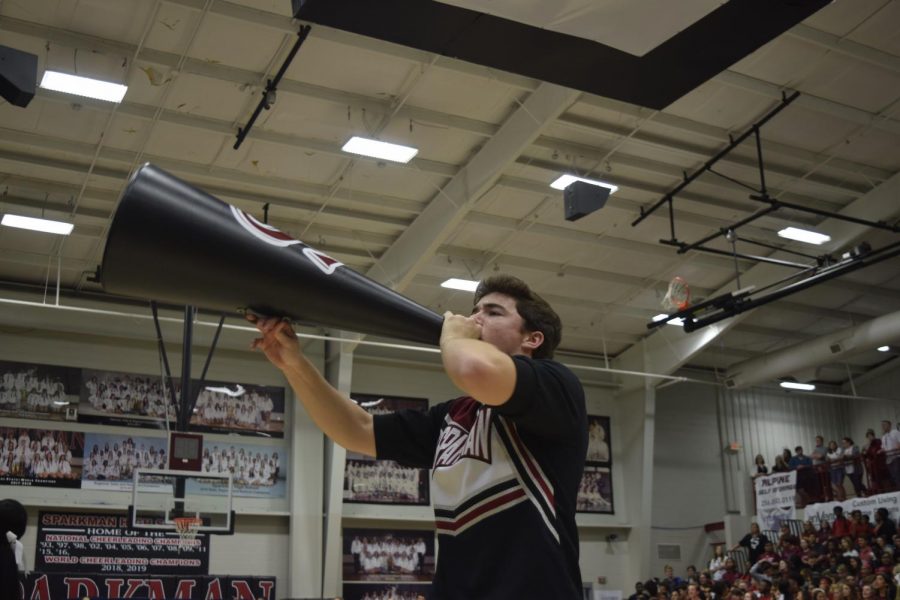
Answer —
195 69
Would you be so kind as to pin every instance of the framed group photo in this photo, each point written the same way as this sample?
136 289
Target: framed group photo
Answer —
32 391
394 555
40 457
371 481
595 494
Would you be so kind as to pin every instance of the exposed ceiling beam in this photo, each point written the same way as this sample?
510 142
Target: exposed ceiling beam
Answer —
286 24
736 158
664 351
184 167
445 211
677 172
558 268
379 106
680 124
810 102
845 46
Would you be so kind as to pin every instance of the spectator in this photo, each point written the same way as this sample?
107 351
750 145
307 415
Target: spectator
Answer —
754 542
717 563
884 525
786 455
805 477
858 527
761 468
836 469
639 593
890 445
853 465
876 464
691 574
670 579
841 526
731 573
693 592
780 465
819 453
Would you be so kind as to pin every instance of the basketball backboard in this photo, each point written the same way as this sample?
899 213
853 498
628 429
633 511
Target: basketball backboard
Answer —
161 496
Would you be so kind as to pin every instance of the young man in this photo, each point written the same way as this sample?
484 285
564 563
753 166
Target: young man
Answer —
507 457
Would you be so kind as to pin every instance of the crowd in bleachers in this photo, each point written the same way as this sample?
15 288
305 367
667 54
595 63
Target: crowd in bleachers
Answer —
822 474
846 558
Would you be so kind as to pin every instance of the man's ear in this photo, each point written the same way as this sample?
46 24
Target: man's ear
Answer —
533 340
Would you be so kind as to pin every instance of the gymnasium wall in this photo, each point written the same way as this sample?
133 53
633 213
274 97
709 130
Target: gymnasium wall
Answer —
699 479
868 414
260 546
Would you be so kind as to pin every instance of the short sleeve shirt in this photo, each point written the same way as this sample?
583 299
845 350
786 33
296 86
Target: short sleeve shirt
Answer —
504 484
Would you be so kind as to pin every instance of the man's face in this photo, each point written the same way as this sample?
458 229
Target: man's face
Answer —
885 426
501 324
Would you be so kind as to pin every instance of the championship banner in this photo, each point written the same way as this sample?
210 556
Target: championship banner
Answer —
75 586
103 543
775 499
824 511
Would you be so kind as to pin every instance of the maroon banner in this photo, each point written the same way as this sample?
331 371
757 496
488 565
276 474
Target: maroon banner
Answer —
75 586
104 543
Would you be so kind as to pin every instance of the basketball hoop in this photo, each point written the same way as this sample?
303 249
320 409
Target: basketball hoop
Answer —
678 296
187 529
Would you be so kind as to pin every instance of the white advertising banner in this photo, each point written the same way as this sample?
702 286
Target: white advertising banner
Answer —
825 510
775 499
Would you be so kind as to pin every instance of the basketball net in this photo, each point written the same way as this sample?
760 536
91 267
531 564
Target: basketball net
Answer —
187 529
678 296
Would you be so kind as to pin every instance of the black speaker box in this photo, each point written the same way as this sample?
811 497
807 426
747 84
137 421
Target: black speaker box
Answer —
582 199
18 76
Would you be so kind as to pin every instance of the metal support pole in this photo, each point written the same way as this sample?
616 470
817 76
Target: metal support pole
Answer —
184 417
706 166
271 87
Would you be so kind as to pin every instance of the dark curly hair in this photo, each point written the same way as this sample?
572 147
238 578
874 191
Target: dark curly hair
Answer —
534 310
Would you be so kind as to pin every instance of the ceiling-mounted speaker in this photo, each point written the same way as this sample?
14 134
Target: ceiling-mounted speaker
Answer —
18 76
582 199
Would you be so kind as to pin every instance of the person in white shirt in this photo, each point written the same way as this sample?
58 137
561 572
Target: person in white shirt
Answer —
890 444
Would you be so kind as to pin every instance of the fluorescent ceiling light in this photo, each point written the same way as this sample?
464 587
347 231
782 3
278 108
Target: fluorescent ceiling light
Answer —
465 285
802 235
83 86
662 317
376 149
884 348
563 181
45 225
792 385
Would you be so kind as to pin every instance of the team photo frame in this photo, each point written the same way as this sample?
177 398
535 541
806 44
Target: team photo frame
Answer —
371 481
595 494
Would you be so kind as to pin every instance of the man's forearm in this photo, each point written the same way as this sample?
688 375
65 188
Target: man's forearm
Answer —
479 369
335 414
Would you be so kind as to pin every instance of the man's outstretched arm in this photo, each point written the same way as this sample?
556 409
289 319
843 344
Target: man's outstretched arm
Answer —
339 417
